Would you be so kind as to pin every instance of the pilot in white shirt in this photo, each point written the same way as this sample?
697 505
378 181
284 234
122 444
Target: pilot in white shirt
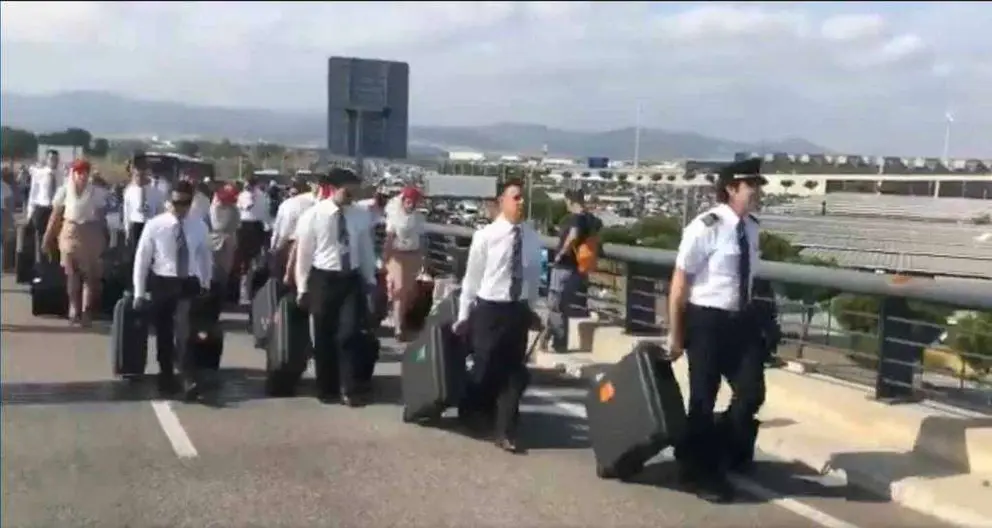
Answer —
500 291
289 213
335 270
142 202
711 316
253 205
45 181
173 264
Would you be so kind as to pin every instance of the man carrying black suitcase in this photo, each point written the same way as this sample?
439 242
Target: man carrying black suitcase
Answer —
335 269
500 287
711 315
173 264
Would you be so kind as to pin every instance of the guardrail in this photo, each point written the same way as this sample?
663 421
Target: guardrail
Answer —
879 339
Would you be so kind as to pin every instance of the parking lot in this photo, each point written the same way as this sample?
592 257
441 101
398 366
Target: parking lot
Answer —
81 449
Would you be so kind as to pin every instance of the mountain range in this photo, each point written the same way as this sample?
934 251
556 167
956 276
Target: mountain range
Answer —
114 116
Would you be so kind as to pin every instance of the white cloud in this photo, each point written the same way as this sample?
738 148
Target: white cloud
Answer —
861 77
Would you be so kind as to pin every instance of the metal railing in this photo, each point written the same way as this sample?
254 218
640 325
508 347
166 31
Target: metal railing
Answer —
888 332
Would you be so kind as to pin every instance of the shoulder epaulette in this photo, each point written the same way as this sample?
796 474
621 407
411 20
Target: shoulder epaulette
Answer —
710 219
754 218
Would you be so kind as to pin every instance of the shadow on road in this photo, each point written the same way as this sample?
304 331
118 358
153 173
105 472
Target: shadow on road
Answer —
786 479
77 392
59 327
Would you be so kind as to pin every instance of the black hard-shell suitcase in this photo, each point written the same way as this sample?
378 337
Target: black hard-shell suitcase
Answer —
263 308
635 410
258 277
128 339
288 348
116 281
24 260
206 343
206 337
434 373
48 295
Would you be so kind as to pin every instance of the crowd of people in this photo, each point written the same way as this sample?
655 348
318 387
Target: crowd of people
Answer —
186 240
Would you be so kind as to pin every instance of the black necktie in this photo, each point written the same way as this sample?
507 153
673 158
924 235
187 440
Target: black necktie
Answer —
52 184
344 240
744 266
517 265
182 253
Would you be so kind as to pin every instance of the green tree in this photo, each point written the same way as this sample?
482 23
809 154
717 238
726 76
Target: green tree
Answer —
18 143
859 314
971 335
100 148
188 148
70 137
787 184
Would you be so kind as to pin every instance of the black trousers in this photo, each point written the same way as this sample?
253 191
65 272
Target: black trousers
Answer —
251 241
339 318
134 230
721 344
499 376
169 314
39 223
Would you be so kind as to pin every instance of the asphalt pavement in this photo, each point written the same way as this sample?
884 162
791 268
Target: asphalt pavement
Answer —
81 449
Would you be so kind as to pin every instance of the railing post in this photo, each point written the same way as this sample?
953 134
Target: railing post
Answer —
898 356
640 316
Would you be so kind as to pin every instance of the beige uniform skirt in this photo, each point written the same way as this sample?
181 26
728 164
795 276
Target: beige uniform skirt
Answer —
401 274
81 246
224 246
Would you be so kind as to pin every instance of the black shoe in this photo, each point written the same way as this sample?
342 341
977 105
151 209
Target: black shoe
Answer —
328 398
509 445
716 490
192 391
353 400
168 385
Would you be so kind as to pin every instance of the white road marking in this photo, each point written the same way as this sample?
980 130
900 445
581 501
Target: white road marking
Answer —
173 429
747 485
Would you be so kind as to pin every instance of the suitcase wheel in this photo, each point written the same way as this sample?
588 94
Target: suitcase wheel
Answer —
605 473
132 378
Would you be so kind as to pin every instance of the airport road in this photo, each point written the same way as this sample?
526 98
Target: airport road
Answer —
80 449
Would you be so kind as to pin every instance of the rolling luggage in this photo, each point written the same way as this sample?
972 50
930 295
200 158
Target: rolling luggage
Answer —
416 315
258 277
128 339
434 373
206 337
288 348
206 343
24 257
263 308
635 410
48 295
116 281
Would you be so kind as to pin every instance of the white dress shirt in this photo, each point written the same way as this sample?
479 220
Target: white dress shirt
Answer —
157 251
39 194
317 244
200 208
489 271
89 205
710 255
142 203
407 230
254 205
288 215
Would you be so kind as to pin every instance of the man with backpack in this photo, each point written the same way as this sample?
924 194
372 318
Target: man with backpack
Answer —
575 258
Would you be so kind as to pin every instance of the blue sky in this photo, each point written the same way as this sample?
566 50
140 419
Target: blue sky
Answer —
872 78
